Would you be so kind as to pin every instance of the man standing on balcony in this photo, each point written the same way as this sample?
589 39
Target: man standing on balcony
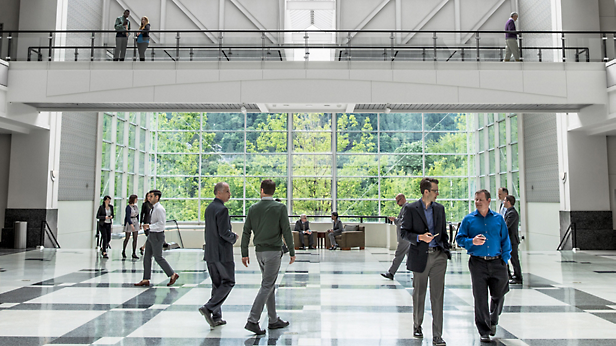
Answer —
511 39
219 240
403 244
424 226
269 221
122 28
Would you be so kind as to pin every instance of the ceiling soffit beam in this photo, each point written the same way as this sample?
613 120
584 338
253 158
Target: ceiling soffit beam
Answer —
195 20
254 20
369 18
12 126
135 18
221 14
483 20
350 108
311 5
425 21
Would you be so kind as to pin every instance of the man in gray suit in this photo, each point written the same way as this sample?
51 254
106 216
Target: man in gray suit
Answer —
424 226
403 244
512 219
219 240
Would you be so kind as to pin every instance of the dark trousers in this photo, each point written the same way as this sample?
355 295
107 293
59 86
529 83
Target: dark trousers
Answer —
106 235
223 280
492 275
515 261
310 239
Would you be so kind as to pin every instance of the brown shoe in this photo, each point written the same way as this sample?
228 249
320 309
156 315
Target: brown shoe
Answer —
143 283
173 279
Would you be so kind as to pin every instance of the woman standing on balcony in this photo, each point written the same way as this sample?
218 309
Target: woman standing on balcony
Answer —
131 222
105 216
143 40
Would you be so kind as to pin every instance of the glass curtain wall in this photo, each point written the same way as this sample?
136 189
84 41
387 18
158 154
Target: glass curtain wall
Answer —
352 163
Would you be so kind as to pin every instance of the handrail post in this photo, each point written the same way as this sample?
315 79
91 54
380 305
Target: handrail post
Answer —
520 46
76 53
562 39
191 53
9 44
434 44
152 53
42 239
177 47
262 46
462 54
477 38
614 36
349 37
29 53
1 34
307 54
92 46
540 55
573 236
220 46
392 40
135 49
50 45
604 41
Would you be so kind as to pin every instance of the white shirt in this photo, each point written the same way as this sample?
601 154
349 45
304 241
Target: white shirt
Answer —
158 220
502 210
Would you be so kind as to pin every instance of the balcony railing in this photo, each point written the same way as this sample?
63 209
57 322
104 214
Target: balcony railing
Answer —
309 45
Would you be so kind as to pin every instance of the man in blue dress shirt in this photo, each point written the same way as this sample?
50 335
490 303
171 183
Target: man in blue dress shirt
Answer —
483 233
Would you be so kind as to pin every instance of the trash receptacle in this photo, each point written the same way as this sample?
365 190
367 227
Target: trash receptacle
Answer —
21 232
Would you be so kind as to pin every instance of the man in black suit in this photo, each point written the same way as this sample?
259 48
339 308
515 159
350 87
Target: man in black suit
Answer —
219 240
424 226
512 219
303 227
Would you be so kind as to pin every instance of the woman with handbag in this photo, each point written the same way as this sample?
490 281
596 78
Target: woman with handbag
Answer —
131 223
105 216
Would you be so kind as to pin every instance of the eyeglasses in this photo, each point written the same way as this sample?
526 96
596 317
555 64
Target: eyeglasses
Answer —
434 190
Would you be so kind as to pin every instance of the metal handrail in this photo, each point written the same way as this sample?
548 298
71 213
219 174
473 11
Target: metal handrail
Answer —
177 227
45 229
569 232
217 37
360 217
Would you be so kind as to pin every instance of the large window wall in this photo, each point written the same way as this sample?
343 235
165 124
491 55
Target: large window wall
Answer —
354 163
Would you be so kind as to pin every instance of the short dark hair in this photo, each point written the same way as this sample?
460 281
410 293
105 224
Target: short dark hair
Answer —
156 193
426 184
485 192
218 187
510 199
335 213
504 189
268 186
132 199
106 198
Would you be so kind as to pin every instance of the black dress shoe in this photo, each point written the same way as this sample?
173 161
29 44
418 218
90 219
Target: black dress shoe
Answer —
485 338
311 248
438 341
220 323
302 248
254 327
417 332
388 275
278 324
493 330
208 316
515 282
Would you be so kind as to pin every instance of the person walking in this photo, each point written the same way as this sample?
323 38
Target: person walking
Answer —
131 222
512 219
483 233
268 220
105 217
424 225
122 28
143 39
219 240
511 39
155 241
403 245
144 216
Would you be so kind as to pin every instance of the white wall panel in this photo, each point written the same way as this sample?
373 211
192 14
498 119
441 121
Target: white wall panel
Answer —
543 227
75 224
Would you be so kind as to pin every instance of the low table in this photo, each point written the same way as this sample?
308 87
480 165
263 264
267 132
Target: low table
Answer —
321 239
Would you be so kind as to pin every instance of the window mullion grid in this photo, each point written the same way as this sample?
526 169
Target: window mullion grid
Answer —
199 180
334 172
112 155
378 159
290 151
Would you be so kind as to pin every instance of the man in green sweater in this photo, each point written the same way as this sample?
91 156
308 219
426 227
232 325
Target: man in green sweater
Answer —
269 221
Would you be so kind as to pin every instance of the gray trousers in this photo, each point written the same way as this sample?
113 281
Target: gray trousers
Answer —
120 49
154 247
269 263
141 47
332 237
512 48
401 251
435 272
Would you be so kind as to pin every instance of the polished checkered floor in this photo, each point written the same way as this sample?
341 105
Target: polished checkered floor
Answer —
72 297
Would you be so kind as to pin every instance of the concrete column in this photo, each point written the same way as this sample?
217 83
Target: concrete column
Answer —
584 188
33 181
